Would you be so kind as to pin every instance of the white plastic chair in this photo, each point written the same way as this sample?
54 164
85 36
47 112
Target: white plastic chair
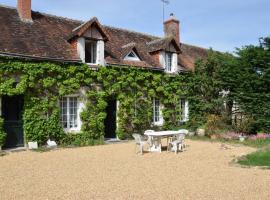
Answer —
185 132
178 144
139 142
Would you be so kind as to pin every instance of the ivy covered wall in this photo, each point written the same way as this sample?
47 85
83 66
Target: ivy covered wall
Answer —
43 83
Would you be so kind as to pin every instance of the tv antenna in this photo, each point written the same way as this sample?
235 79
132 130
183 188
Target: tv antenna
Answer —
165 2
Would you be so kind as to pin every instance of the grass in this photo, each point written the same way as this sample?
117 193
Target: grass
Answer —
259 158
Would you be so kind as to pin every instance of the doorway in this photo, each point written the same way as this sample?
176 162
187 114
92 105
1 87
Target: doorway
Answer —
110 121
12 110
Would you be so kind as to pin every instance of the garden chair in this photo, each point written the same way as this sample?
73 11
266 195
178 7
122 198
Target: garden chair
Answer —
181 131
177 144
185 132
139 142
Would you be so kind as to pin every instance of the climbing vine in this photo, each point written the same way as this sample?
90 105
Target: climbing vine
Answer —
43 83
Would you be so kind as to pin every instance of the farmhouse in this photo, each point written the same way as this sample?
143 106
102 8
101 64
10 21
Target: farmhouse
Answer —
37 48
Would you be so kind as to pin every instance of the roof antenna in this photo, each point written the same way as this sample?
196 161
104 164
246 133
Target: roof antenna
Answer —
165 2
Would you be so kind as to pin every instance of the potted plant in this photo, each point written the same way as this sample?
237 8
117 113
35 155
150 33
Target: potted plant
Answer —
201 130
242 138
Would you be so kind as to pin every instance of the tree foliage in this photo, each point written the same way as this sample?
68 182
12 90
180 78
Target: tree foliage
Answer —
243 79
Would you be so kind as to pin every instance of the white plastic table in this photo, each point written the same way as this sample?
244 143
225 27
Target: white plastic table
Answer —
156 137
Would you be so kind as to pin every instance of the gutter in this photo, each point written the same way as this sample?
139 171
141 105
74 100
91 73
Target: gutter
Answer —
41 58
16 55
146 68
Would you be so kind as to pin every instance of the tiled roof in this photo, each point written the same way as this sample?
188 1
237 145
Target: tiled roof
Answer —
161 43
48 38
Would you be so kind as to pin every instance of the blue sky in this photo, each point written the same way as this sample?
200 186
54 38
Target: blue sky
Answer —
222 25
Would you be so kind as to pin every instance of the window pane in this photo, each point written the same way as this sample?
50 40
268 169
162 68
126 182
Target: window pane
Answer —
73 112
168 58
69 112
183 110
63 105
90 51
156 110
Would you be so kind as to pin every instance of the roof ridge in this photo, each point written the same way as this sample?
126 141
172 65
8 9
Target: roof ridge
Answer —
47 14
191 45
6 6
132 31
60 17
83 22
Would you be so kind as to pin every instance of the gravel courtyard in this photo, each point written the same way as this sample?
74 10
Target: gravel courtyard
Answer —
203 171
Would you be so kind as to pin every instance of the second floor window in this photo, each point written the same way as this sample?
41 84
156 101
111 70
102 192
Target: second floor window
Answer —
168 61
90 51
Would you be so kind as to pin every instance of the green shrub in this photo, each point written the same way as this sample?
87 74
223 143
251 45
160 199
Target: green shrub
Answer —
79 139
246 125
2 133
214 124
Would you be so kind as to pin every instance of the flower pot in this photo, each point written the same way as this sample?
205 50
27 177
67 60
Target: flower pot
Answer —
191 133
241 139
32 145
201 132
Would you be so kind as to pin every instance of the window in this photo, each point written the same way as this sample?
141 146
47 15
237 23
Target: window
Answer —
184 110
168 62
69 112
90 51
156 110
132 56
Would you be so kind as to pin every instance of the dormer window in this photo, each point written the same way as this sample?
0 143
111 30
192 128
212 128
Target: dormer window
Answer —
90 38
132 56
168 61
91 51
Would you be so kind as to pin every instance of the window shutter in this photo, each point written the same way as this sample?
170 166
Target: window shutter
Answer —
81 48
100 52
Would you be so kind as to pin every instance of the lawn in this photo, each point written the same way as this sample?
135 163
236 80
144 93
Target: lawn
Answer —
259 158
202 171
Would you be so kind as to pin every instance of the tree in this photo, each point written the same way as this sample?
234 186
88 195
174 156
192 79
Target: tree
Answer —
252 89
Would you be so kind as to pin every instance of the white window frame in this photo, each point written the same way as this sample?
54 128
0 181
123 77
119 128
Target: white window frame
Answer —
168 62
158 122
79 109
164 61
94 51
184 114
134 58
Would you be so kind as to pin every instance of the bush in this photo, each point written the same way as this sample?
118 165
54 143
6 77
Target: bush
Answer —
246 125
214 124
78 140
2 133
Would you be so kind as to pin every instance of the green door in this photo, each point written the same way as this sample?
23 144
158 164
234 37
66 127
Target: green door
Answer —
12 109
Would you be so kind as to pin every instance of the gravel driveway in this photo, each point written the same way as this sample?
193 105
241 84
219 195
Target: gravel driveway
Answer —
203 171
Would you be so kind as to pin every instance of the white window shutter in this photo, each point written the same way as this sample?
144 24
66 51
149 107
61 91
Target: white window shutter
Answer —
174 62
81 48
162 59
186 111
100 52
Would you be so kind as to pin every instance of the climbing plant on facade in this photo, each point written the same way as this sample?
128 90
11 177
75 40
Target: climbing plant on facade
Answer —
44 83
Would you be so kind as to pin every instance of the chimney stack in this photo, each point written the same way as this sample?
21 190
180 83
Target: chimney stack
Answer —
24 10
172 28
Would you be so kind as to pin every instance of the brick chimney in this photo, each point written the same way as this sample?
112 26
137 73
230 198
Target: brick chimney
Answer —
172 28
24 10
